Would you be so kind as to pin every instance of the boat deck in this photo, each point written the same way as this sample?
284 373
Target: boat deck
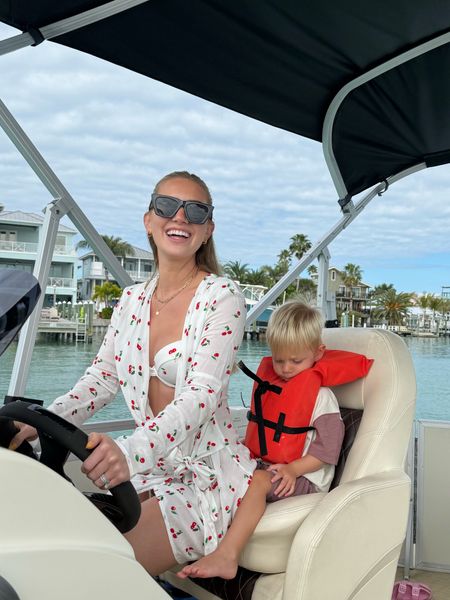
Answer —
438 582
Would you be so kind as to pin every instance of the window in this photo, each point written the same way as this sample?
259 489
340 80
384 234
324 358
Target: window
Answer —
56 270
333 275
341 290
8 236
21 266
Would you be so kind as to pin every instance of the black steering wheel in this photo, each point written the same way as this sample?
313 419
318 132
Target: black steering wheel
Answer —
58 438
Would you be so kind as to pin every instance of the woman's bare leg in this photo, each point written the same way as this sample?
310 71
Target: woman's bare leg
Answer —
223 562
150 541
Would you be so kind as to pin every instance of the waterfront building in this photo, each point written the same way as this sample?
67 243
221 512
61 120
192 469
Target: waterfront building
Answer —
140 266
19 237
348 298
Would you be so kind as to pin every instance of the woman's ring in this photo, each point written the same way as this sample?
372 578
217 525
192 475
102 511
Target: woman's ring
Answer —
105 481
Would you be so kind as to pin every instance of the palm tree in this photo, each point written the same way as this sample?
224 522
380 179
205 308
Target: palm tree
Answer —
118 247
392 307
236 270
312 271
283 264
258 277
106 291
445 310
300 244
307 291
351 276
435 304
381 289
423 302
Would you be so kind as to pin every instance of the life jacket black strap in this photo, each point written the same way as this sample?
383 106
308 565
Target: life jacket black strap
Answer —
262 388
264 385
279 427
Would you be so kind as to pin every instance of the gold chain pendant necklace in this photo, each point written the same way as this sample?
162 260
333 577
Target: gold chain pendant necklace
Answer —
183 287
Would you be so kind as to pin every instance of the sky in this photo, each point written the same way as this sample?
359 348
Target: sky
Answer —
110 135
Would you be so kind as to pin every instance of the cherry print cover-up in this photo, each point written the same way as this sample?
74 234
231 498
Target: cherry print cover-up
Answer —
189 453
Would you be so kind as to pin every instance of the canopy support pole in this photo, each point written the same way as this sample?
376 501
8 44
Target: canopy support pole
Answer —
66 25
63 204
27 338
326 300
314 252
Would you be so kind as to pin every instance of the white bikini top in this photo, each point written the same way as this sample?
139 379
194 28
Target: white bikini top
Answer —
166 363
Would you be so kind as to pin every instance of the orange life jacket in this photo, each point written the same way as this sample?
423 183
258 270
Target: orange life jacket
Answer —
281 411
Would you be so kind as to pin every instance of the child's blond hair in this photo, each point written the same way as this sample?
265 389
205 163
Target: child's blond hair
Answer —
295 325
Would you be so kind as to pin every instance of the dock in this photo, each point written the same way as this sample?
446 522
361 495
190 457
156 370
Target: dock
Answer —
252 335
64 330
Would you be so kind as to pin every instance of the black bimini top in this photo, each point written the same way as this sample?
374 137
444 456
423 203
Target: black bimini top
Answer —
283 62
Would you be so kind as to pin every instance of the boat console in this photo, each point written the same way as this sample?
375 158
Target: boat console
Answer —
50 531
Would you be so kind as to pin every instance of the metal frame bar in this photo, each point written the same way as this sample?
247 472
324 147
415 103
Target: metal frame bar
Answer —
328 123
323 243
326 300
322 280
63 204
108 426
66 203
25 347
70 24
409 547
350 211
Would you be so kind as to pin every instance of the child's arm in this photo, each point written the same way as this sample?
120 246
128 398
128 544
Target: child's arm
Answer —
287 474
323 450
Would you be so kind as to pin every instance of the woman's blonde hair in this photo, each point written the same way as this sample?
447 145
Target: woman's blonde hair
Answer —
205 258
295 325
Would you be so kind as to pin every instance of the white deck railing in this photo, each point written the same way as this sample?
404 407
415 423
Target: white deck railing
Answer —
61 282
31 248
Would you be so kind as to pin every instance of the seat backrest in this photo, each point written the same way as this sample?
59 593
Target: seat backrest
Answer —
386 395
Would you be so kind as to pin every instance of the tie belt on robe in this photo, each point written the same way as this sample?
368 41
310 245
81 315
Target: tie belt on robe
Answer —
200 478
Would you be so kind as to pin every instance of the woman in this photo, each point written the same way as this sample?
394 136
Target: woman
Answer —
170 347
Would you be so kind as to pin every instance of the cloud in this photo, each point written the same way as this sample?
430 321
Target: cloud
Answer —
110 134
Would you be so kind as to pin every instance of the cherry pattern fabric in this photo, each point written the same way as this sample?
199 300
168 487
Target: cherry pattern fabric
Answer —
189 453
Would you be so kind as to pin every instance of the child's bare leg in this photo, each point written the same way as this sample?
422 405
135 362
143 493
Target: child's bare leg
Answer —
223 562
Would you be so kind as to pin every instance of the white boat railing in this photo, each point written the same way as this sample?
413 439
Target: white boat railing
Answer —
432 544
109 426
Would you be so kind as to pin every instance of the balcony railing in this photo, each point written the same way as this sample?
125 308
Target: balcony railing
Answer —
137 276
96 273
31 248
362 295
65 250
62 282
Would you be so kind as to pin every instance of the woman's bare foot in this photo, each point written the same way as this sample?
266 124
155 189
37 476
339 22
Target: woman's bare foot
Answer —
216 564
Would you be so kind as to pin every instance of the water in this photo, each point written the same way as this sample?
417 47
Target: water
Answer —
57 366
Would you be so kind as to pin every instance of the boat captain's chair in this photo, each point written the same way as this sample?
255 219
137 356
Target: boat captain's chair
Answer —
343 545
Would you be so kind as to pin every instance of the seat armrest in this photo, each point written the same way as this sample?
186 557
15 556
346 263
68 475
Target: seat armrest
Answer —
268 549
358 528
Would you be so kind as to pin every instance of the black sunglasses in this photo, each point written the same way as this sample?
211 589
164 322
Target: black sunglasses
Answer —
168 206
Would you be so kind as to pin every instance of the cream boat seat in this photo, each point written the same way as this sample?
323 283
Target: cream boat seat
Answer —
345 544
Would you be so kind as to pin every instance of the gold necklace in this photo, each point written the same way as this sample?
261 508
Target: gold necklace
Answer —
183 287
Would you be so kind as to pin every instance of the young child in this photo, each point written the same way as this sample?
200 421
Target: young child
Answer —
294 334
